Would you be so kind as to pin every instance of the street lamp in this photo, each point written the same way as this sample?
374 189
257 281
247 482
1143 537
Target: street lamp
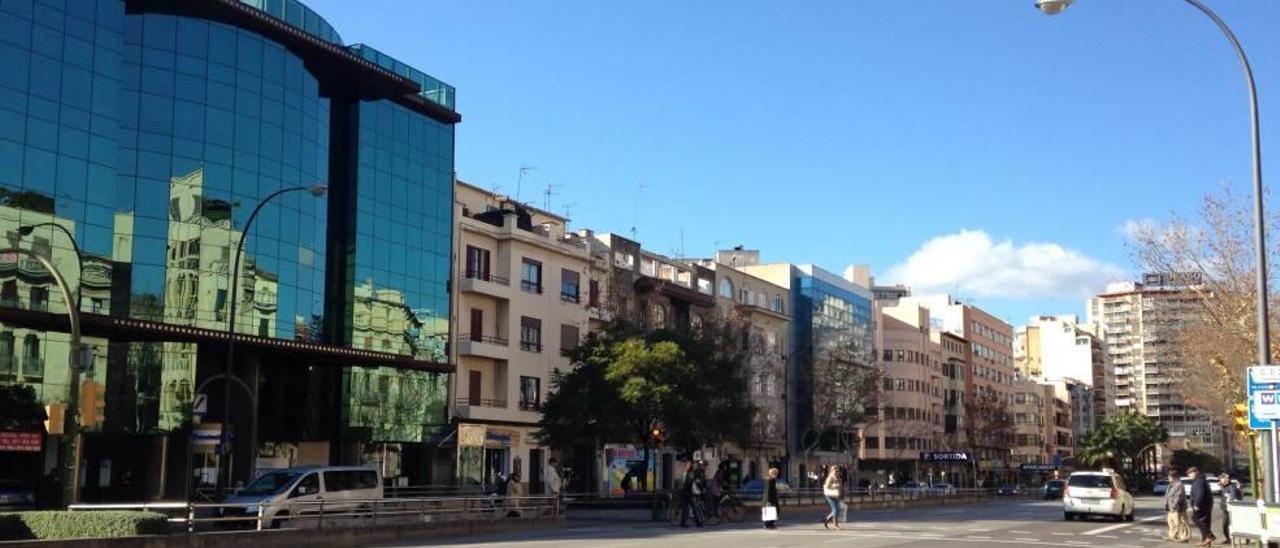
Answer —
1053 7
26 230
224 473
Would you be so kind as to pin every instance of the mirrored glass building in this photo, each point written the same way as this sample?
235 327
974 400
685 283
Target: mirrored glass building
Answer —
150 130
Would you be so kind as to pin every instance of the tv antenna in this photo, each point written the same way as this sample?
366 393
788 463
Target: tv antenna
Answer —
546 196
566 209
524 168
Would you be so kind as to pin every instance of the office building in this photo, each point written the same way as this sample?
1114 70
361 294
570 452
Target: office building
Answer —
151 131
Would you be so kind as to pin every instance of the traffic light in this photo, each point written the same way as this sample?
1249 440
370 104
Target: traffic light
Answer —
1240 418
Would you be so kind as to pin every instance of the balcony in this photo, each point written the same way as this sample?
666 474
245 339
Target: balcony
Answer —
483 346
571 298
534 406
530 346
482 409
484 283
530 287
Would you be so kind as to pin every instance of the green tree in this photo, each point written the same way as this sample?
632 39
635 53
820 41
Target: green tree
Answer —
1125 442
1182 459
20 409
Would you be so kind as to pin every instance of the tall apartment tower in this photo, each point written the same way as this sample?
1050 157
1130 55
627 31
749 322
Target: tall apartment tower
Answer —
1137 323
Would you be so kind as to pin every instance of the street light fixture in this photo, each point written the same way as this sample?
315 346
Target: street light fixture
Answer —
1053 7
224 472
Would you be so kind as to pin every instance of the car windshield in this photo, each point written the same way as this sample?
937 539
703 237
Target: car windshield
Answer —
1103 482
271 482
1054 483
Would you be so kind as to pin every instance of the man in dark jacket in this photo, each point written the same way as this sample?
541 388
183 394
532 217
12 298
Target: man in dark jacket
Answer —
1201 505
690 487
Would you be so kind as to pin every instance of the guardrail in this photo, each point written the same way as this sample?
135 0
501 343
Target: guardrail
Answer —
206 517
814 496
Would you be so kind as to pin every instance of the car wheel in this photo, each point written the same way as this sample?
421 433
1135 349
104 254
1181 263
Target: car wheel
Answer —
279 519
1129 516
1067 516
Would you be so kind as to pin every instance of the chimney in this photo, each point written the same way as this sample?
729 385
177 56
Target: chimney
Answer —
859 274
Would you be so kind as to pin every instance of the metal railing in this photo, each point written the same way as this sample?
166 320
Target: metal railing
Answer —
486 277
814 496
482 402
529 346
319 514
489 339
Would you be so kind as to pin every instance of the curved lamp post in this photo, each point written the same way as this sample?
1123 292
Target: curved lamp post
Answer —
26 230
224 473
1054 7
71 451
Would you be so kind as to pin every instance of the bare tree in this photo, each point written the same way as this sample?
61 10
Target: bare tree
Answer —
846 388
1214 334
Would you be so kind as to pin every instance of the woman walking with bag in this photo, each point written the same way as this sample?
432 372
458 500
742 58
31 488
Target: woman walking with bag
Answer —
769 513
832 489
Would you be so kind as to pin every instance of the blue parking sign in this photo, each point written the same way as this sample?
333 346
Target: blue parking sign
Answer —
1264 396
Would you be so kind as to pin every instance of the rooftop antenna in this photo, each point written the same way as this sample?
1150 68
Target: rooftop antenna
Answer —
547 194
524 168
635 212
566 209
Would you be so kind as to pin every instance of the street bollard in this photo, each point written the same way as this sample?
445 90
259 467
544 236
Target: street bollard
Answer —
259 517
191 518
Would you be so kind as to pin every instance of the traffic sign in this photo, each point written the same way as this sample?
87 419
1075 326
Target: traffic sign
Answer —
200 405
1264 396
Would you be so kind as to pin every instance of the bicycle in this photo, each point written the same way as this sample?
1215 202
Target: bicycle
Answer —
731 508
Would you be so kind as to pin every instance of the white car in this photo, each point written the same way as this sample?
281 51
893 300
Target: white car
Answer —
281 495
1097 494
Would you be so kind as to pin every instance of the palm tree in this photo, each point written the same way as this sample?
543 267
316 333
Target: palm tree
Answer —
1121 442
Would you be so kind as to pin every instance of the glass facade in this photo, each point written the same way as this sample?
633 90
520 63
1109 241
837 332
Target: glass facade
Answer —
151 138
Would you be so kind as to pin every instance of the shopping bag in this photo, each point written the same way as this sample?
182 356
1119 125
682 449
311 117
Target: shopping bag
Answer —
768 513
844 511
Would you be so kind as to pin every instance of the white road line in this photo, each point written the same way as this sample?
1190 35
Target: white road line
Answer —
978 537
1120 526
1027 539
1065 534
1017 532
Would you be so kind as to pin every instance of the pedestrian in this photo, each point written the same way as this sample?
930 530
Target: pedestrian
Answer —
515 490
771 500
1175 507
689 489
553 483
1201 506
1230 493
831 490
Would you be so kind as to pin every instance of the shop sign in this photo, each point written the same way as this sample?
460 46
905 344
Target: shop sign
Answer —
500 438
944 456
1036 467
20 442
470 435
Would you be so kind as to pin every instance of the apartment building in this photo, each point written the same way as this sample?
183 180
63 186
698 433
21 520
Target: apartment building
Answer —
1031 445
760 311
1054 348
520 306
1138 322
910 419
989 383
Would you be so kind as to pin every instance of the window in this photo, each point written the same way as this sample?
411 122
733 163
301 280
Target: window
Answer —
531 276
569 288
477 263
530 393
744 295
8 366
264 327
704 286
9 293
726 288
593 293
568 337
777 304
310 485
659 316
530 334
39 299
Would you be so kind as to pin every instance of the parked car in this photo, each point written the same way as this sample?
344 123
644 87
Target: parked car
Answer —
1160 488
295 492
1214 486
1100 493
943 489
1007 490
15 495
1052 489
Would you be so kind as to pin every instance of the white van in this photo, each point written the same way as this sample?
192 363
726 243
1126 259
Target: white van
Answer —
295 492
1096 493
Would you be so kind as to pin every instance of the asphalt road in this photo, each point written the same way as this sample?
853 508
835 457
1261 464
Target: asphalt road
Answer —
1011 524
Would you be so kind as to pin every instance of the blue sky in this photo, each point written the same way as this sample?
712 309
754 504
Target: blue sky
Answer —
976 147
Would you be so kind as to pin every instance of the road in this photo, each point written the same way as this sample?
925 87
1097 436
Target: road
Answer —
1008 524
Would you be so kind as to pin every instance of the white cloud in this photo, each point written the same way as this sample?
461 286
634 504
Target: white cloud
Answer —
971 263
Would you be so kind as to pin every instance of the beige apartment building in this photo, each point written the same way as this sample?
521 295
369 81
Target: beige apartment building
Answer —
989 384
760 311
521 301
1137 323
910 417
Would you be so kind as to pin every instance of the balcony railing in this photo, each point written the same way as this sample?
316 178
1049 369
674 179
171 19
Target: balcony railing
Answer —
570 297
530 346
481 402
530 405
490 339
486 277
530 287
